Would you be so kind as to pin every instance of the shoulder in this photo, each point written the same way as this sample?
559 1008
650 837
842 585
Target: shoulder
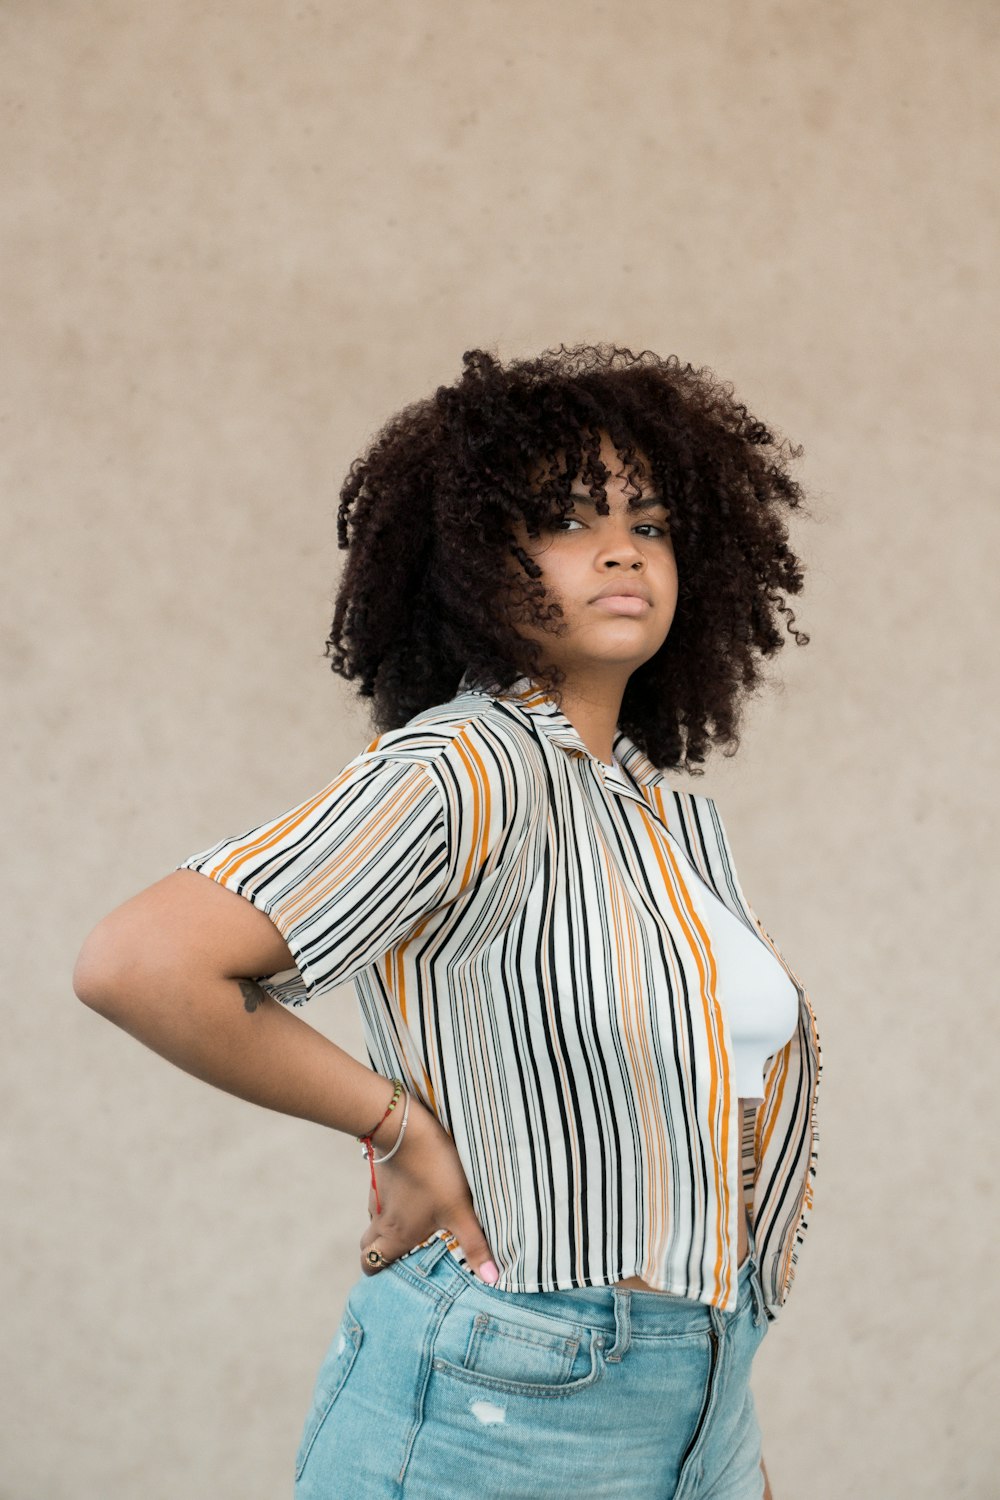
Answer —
470 737
487 772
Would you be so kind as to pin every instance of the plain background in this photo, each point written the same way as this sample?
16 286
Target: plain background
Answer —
237 238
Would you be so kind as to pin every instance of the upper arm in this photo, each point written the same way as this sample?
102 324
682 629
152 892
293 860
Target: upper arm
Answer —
323 890
347 874
182 918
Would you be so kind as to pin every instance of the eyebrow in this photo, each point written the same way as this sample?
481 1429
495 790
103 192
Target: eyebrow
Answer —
648 502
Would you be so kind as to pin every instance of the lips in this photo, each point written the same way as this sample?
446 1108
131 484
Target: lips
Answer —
622 604
623 588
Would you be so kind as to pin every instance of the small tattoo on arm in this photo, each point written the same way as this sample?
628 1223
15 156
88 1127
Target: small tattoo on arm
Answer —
253 995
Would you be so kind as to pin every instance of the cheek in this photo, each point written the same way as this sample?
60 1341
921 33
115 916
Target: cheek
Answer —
666 570
556 569
669 589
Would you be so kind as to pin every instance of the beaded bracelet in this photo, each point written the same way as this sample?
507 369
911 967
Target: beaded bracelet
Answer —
368 1150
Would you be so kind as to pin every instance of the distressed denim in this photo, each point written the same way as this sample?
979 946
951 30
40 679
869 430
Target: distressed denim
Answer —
437 1386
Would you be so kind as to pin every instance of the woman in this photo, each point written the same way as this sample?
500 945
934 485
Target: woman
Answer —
590 1117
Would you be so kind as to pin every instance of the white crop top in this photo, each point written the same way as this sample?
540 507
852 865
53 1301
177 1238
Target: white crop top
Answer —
760 1001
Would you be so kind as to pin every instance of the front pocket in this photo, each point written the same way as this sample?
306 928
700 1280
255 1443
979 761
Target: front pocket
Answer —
517 1356
334 1370
496 1346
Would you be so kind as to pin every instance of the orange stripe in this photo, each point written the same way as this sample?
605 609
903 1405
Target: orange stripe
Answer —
779 1072
783 1058
397 991
376 831
478 779
688 918
242 852
634 1030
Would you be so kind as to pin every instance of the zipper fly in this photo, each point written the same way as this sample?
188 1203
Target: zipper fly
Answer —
709 1392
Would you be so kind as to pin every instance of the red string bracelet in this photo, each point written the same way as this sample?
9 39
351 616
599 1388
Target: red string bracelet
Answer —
367 1149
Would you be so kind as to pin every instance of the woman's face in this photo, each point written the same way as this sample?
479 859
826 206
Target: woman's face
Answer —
585 555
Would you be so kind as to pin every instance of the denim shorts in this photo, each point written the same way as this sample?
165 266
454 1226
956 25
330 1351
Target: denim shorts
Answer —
437 1386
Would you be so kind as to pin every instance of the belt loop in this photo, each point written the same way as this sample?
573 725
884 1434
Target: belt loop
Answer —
423 1259
623 1323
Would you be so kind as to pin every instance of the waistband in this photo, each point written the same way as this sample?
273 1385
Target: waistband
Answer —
435 1270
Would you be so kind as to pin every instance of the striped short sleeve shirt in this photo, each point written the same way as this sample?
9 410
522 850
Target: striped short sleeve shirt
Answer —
527 930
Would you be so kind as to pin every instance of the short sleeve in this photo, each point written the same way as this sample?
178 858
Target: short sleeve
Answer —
345 875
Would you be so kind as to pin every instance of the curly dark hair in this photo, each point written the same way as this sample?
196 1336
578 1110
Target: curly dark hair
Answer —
427 515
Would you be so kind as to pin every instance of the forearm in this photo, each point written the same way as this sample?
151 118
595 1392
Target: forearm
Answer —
767 1482
228 1033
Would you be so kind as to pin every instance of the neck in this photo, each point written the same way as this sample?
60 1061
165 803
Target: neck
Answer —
593 713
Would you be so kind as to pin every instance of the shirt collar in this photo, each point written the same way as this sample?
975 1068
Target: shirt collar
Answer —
531 699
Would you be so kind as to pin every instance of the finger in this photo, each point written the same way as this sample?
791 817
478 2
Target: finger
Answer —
468 1231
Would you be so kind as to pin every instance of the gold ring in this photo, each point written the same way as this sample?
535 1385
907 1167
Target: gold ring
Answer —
376 1258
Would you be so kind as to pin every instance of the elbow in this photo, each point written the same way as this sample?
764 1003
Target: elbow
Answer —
94 974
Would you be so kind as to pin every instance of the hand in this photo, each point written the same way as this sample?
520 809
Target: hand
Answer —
422 1189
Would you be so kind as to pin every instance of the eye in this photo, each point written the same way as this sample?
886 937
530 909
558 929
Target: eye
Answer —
564 522
560 521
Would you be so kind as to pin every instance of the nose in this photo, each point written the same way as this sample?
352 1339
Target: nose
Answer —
621 550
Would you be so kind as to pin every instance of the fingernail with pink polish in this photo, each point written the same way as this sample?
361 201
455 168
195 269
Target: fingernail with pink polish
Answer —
489 1272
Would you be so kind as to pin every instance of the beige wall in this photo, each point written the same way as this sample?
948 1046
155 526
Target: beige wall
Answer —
236 238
